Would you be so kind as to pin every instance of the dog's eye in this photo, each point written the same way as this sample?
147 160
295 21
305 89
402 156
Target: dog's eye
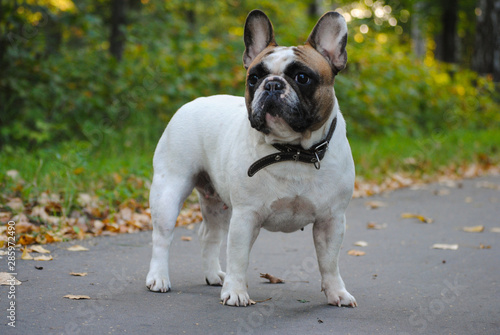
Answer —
302 79
252 80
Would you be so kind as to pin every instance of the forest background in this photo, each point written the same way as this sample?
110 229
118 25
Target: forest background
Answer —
87 87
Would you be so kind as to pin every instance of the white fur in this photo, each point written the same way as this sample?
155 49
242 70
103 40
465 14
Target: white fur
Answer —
214 135
278 61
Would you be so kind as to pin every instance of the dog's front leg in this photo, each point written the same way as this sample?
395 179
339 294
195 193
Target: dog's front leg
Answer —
243 230
328 235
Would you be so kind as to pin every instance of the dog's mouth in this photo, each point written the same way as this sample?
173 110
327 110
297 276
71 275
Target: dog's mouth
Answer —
272 112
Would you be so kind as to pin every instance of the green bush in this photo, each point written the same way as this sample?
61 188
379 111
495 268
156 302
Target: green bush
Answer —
385 90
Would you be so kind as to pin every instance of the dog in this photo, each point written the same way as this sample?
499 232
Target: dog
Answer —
277 159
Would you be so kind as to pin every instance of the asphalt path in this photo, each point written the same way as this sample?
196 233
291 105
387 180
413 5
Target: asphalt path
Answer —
402 285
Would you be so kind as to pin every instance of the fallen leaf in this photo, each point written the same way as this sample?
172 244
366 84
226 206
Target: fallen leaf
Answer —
375 204
39 249
117 178
474 229
441 192
26 240
16 204
302 300
272 279
376 226
84 199
361 244
487 184
26 255
445 246
3 252
76 297
78 170
8 279
14 174
354 252
77 247
39 267
416 216
482 246
495 230
5 217
468 200
186 238
43 258
78 274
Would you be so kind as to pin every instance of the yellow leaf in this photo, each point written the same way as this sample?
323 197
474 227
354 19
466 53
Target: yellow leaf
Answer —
375 204
354 252
77 247
445 246
186 238
26 239
39 249
474 229
78 274
26 255
361 244
416 216
376 226
8 279
117 178
76 297
43 258
78 170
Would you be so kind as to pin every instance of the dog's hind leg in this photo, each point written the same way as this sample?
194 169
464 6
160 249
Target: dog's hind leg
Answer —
213 229
166 198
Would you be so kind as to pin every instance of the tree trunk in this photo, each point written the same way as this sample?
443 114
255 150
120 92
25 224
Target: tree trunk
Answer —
418 41
446 46
117 36
3 37
486 59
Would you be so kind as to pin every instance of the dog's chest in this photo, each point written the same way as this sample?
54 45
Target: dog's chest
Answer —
289 214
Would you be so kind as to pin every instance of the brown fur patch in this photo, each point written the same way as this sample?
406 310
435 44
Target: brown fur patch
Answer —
324 94
266 52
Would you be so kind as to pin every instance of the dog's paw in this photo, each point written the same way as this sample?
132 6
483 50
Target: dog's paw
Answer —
215 278
235 296
157 282
340 298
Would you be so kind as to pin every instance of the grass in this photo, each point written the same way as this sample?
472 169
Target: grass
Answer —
116 173
425 156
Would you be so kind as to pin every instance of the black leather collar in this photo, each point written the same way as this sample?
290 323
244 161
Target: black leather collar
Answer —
291 152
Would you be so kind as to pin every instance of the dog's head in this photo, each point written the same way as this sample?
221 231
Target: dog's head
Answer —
289 90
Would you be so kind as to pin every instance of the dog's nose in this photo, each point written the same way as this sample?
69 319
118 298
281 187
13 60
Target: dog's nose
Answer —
273 85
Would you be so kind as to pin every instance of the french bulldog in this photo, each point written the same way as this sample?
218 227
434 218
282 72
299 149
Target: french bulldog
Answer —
277 159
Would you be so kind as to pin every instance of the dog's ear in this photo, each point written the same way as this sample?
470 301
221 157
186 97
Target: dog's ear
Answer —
259 34
329 38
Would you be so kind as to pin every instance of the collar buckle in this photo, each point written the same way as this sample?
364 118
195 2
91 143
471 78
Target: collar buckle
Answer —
319 146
